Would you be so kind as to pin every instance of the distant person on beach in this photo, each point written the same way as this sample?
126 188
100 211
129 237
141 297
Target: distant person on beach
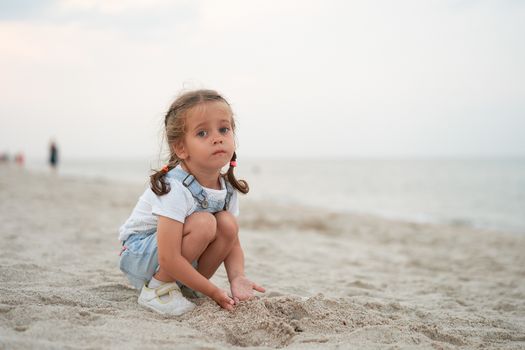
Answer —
20 159
53 155
4 157
185 225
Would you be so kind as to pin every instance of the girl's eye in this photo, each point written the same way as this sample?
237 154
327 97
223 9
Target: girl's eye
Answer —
202 133
224 130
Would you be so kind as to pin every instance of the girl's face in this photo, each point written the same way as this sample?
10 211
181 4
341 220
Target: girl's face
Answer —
208 142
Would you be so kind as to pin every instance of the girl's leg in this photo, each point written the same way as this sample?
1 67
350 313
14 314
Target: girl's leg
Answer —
218 250
199 230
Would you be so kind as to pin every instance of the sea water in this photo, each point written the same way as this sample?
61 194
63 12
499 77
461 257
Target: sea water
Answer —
485 193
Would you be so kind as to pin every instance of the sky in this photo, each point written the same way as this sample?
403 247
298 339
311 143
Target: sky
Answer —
304 78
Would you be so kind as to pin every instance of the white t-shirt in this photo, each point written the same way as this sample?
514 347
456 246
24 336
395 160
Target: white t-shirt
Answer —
177 204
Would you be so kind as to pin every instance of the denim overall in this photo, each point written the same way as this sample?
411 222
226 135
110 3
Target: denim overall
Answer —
139 255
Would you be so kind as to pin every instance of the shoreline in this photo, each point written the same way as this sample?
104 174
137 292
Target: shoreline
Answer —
417 219
333 280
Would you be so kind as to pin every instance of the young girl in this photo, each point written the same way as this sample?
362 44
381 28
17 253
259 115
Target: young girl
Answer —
185 225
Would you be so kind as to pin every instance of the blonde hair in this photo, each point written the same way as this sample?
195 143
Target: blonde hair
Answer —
175 129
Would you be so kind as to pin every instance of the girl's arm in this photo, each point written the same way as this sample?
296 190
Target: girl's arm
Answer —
241 287
171 261
234 262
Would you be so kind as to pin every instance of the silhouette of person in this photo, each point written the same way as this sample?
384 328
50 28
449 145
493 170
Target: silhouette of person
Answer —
53 155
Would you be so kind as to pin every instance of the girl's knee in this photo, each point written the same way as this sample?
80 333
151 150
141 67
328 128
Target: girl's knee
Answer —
227 226
202 223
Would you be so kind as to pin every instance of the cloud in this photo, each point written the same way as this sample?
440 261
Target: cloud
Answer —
24 9
114 7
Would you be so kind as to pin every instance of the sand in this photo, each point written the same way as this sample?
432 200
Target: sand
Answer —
333 280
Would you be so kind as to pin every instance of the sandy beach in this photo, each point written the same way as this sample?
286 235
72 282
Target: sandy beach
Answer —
334 281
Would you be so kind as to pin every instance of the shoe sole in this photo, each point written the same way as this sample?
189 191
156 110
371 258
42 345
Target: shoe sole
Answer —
144 304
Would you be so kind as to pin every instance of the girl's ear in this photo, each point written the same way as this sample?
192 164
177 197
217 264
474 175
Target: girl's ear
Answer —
180 150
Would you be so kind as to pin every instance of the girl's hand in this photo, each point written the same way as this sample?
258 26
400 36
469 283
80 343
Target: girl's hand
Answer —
222 298
242 288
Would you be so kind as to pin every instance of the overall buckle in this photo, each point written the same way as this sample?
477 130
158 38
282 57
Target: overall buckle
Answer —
188 180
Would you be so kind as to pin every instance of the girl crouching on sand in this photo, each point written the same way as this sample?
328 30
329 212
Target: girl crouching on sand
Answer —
185 225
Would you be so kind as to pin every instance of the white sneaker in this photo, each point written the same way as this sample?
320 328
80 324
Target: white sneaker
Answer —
166 299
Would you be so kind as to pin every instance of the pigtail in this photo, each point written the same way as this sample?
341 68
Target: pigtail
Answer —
158 185
240 185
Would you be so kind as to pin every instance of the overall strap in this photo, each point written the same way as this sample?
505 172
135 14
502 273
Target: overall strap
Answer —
191 184
229 194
